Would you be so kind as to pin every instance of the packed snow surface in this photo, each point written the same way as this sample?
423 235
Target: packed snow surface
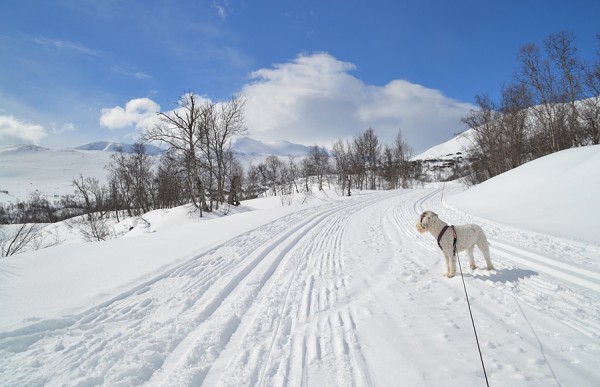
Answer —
333 292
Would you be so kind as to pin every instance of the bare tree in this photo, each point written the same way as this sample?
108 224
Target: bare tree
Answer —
343 166
514 127
485 122
372 155
93 225
170 181
318 164
537 74
358 161
18 241
182 130
591 104
235 176
253 181
562 52
402 152
555 82
293 173
272 172
229 123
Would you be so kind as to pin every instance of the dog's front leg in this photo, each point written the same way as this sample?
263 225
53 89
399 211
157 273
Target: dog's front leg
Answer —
451 266
449 269
447 266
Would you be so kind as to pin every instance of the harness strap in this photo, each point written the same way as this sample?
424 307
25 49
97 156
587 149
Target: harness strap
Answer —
453 237
441 235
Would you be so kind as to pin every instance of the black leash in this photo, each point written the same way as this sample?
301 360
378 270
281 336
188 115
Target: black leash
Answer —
471 314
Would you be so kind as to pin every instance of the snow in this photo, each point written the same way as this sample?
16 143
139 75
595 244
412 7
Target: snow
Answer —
26 168
337 291
536 195
458 143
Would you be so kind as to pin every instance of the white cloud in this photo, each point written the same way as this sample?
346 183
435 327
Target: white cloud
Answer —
15 130
130 71
139 113
315 99
223 8
65 45
65 128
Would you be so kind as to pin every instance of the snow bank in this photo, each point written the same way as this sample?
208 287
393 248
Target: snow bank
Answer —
556 195
69 278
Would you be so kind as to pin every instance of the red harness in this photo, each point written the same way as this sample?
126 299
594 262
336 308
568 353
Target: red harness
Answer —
453 236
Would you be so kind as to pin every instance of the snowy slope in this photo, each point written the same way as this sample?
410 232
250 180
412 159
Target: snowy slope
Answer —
536 195
450 148
339 292
26 168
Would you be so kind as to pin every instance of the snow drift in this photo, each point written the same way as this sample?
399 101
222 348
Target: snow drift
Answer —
557 195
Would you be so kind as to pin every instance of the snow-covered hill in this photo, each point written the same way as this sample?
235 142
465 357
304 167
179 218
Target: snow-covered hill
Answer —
342 291
537 195
439 162
450 149
26 168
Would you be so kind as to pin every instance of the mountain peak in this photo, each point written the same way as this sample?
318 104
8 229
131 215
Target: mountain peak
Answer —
107 146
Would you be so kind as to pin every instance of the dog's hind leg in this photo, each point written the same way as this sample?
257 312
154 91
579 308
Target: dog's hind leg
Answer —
471 258
485 249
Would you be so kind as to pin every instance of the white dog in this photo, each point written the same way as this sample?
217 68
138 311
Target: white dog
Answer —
453 239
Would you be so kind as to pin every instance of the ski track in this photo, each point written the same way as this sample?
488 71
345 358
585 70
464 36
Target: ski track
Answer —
295 302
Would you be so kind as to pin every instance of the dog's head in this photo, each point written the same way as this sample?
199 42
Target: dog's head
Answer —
425 220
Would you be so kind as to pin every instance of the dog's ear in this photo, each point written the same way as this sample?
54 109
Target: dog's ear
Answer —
420 229
422 223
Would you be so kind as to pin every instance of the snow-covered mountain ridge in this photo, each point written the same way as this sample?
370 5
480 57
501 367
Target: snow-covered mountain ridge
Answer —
115 147
26 168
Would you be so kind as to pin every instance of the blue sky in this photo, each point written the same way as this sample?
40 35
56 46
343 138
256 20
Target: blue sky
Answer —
77 71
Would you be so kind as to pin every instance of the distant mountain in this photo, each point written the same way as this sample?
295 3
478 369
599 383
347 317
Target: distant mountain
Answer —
249 146
249 151
26 168
439 162
115 146
245 148
454 147
22 148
